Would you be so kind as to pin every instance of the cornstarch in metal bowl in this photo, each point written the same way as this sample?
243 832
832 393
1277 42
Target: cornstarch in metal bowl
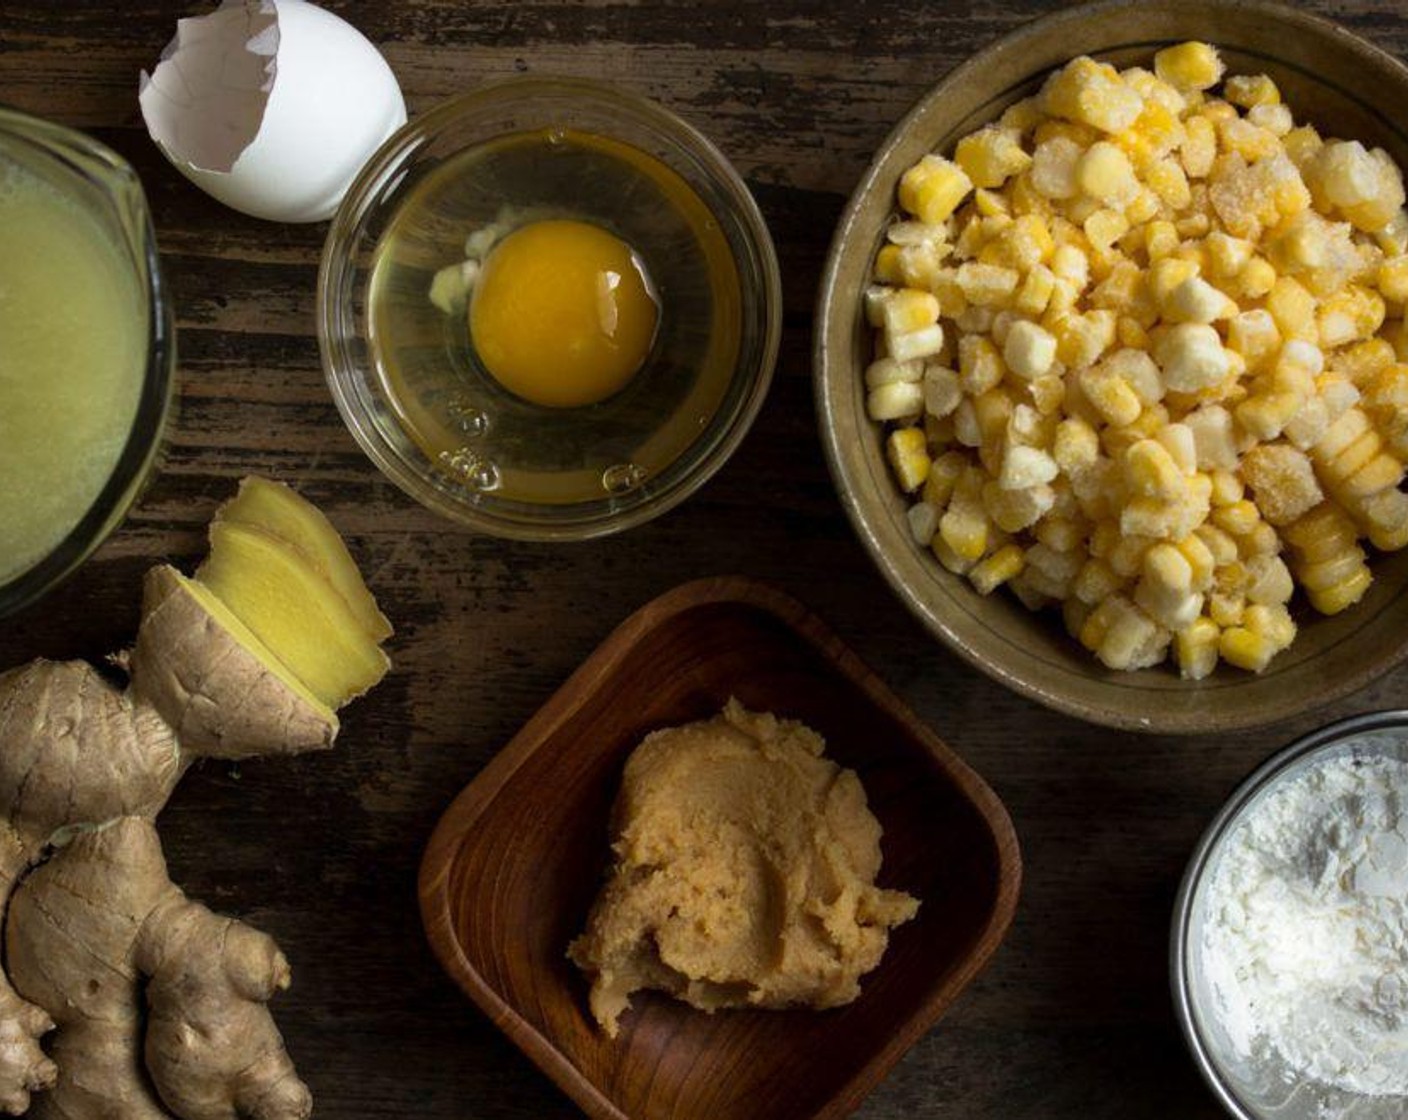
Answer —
1306 942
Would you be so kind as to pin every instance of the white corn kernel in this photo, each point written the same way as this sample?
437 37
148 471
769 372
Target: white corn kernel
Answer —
1191 357
899 400
1029 351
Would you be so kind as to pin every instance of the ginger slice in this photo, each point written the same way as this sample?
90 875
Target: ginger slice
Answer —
272 588
225 693
279 511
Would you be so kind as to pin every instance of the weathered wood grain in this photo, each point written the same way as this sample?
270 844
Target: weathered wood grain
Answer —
1072 1020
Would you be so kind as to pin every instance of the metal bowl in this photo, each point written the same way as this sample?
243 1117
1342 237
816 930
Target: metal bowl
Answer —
1250 1089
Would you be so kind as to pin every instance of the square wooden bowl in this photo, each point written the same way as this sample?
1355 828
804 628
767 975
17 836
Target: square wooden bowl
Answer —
514 864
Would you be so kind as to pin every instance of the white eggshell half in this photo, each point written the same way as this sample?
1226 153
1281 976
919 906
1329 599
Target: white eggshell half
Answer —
334 100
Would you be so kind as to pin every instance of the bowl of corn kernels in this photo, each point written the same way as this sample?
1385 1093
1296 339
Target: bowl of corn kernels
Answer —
1112 367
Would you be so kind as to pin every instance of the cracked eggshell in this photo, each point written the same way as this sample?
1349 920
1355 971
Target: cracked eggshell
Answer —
271 106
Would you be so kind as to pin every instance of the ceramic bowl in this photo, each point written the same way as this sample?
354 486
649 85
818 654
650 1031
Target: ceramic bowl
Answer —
1261 1088
721 308
1329 77
513 866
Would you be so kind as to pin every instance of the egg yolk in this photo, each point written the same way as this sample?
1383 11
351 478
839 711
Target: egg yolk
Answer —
562 314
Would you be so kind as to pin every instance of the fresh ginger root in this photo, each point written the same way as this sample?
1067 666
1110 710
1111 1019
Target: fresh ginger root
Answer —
160 1005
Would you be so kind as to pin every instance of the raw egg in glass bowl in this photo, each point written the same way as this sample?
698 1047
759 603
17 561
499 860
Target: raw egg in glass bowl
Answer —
549 309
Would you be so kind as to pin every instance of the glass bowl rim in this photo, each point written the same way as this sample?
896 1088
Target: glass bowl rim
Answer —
337 269
84 156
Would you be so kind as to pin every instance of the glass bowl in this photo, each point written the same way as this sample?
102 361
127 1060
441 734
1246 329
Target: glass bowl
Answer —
453 148
1252 1088
106 189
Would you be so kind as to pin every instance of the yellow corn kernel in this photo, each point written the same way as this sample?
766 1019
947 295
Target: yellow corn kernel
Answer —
887 265
1257 279
946 556
1196 647
1081 339
1258 541
1246 90
1201 563
1105 173
1346 593
1246 649
1367 363
1104 227
909 457
1189 66
1237 519
991 573
933 188
1393 279
1283 482
1226 607
1110 396
991 156
1199 148
909 310
944 473
1151 472
986 285
1266 414
1219 543
1247 140
1095 582
1021 116
980 364
964 529
1091 93
1293 308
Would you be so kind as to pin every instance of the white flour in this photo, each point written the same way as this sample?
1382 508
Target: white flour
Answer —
1306 940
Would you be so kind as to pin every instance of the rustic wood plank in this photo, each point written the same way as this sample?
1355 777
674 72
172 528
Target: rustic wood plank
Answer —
1072 1020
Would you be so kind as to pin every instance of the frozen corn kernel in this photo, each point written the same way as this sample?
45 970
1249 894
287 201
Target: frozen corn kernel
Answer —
909 457
1104 172
1175 331
898 400
1191 357
1195 646
923 520
1283 482
1189 66
909 310
923 343
986 285
1023 467
1029 351
1246 649
933 189
1214 444
1197 301
1090 93
1053 171
942 390
887 371
991 573
991 156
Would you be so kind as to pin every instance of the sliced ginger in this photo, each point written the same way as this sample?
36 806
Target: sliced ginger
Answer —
279 511
159 1007
275 590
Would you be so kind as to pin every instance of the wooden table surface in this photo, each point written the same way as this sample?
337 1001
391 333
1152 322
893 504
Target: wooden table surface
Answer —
1073 1018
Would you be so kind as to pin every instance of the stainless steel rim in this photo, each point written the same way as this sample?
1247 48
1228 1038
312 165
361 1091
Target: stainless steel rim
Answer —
1259 779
